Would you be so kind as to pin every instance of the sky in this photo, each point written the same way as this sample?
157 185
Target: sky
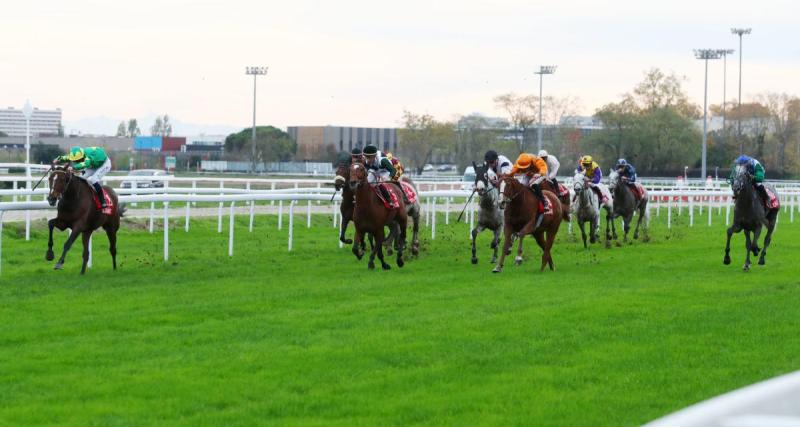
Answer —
362 63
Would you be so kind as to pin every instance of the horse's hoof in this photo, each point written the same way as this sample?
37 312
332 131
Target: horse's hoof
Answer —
371 265
761 261
756 251
347 241
497 270
726 260
518 261
746 267
50 256
400 262
386 266
414 250
389 251
493 261
58 266
474 260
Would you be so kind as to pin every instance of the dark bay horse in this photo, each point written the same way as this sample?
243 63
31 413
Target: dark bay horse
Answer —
625 204
341 182
750 214
371 216
77 211
520 206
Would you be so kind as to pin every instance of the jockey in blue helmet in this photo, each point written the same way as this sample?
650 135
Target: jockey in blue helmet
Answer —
626 170
755 169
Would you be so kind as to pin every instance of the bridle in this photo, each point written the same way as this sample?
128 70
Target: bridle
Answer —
67 179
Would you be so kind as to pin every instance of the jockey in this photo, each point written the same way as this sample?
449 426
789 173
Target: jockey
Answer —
356 155
552 166
534 171
755 169
591 170
380 169
398 166
626 171
497 163
94 163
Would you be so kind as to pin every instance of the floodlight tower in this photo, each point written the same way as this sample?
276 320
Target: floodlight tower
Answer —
740 32
543 69
705 55
255 72
724 53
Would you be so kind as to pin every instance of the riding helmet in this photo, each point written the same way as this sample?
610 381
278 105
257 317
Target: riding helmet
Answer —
356 152
490 156
742 160
586 160
75 154
543 153
370 150
621 163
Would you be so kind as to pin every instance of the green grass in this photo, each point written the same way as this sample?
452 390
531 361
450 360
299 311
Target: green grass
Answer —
615 336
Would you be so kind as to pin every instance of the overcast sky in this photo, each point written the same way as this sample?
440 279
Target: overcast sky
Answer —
361 63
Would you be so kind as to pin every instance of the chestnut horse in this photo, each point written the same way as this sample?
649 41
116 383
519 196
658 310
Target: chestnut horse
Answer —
520 206
77 211
371 216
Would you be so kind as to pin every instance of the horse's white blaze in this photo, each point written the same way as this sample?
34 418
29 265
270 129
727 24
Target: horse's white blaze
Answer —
503 191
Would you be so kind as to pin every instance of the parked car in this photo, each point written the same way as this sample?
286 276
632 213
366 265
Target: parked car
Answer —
446 168
427 168
145 183
468 179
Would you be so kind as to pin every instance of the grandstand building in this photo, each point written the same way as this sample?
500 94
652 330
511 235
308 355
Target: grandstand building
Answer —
43 122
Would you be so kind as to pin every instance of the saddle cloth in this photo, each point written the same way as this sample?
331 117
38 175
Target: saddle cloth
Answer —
388 204
109 209
772 201
638 190
409 190
563 191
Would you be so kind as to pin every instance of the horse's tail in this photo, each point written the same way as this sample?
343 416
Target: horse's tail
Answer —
122 209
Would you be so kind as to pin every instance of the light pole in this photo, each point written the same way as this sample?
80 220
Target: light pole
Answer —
740 32
543 69
27 111
705 55
255 72
724 53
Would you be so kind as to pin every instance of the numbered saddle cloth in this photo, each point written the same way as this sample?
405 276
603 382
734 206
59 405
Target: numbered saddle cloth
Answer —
409 190
393 203
109 209
772 201
563 191
639 191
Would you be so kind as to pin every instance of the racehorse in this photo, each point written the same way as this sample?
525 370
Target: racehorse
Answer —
340 182
413 211
520 204
750 214
78 212
371 216
490 215
587 208
625 204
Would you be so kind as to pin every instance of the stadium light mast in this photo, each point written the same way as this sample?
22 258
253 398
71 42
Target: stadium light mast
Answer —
705 55
543 69
724 53
255 72
740 32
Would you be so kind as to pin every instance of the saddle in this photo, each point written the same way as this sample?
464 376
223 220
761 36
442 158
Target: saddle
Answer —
772 201
409 191
393 203
563 191
109 209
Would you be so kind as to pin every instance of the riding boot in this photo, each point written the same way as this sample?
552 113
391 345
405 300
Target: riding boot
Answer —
100 195
400 186
385 192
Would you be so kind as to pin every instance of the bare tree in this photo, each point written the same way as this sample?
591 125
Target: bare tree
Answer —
420 136
521 112
784 112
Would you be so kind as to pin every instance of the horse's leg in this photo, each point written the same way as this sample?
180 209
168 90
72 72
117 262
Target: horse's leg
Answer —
86 236
495 244
626 225
50 255
767 239
391 239
754 242
747 243
583 233
518 259
551 237
475 231
732 229
639 222
506 248
358 244
378 250
401 246
613 226
415 230
540 240
68 244
347 216
595 224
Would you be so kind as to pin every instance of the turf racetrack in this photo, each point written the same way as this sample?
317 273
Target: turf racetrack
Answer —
615 336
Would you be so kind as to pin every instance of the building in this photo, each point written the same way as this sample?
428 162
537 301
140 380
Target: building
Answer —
109 143
321 143
43 122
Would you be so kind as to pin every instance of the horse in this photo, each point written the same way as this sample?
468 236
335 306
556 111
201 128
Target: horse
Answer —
413 211
625 204
371 216
490 215
750 214
348 198
77 211
587 208
520 204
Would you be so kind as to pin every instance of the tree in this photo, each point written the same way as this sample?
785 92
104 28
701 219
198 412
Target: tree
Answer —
521 112
784 113
166 126
133 128
157 128
660 90
420 136
272 145
122 129
44 153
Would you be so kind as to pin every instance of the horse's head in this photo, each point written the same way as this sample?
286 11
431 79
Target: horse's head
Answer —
358 175
342 175
59 180
579 182
741 179
613 180
481 184
508 190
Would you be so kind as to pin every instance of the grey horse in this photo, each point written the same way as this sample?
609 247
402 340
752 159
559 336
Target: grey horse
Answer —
625 204
586 208
749 214
490 215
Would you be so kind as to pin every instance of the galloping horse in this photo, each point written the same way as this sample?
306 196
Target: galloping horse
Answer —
490 215
348 198
77 211
370 216
587 208
520 206
625 204
750 214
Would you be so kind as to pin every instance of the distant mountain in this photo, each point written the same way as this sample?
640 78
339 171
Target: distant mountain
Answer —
103 125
